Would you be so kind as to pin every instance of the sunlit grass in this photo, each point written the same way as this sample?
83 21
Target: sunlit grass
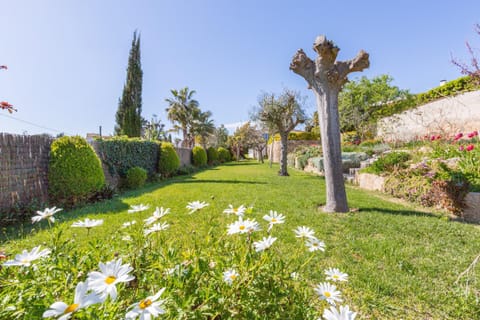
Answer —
402 262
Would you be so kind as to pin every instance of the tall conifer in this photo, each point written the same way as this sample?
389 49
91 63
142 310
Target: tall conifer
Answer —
128 117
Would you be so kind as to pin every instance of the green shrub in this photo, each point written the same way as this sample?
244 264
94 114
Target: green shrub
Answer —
212 155
389 162
168 160
123 153
136 177
297 135
199 156
224 155
75 172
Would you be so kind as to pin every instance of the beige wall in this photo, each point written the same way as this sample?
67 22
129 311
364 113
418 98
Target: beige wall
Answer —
292 145
445 117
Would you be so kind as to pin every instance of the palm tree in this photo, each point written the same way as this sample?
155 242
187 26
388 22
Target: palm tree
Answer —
182 110
203 127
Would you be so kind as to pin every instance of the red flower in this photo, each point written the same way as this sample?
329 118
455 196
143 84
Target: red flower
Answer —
5 105
470 147
461 148
458 136
4 67
439 137
432 138
473 134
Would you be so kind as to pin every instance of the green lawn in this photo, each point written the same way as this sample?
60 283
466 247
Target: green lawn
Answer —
402 263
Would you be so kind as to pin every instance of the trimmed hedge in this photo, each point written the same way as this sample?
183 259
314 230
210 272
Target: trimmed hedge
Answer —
223 155
75 172
136 177
199 156
297 135
212 155
168 162
122 153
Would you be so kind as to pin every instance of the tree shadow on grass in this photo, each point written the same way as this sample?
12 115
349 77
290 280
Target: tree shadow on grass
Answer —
400 212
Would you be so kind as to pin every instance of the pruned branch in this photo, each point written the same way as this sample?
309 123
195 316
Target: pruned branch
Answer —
303 66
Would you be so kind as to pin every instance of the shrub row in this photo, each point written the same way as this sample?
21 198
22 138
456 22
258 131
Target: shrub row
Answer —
76 174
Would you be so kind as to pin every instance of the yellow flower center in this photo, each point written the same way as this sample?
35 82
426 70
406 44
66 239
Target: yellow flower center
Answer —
274 220
335 276
25 261
327 294
242 228
233 276
145 303
314 244
110 280
71 308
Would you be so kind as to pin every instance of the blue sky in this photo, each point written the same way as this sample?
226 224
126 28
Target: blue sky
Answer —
67 59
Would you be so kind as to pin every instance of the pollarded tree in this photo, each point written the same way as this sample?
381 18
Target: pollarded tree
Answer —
182 110
326 77
129 113
280 115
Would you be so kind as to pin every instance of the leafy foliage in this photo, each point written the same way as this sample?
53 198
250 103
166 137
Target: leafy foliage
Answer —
389 162
128 117
122 153
199 156
212 155
168 160
224 155
75 172
136 177
297 135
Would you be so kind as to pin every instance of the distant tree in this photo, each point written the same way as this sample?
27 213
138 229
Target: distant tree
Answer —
258 142
182 110
362 102
312 124
203 127
128 117
4 105
219 137
154 129
472 70
280 114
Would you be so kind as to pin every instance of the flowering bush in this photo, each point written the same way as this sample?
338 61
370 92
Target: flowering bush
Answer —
237 270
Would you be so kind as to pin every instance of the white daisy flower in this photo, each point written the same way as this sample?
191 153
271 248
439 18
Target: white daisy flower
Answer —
295 275
138 208
304 232
46 214
196 205
240 211
243 226
147 308
335 274
313 244
25 258
111 273
128 224
264 244
157 215
156 227
87 223
328 292
81 300
273 218
343 314
230 275
127 238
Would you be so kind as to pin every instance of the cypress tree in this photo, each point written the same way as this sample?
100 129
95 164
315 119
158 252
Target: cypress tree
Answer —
128 117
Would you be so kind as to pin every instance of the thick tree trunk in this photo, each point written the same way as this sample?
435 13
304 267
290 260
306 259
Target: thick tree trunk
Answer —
283 154
326 76
332 153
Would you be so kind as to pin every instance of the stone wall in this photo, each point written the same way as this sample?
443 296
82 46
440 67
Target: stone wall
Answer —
445 117
185 155
23 169
292 145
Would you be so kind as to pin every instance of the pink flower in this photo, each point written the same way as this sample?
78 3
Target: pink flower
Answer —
458 136
432 138
473 134
470 147
461 148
